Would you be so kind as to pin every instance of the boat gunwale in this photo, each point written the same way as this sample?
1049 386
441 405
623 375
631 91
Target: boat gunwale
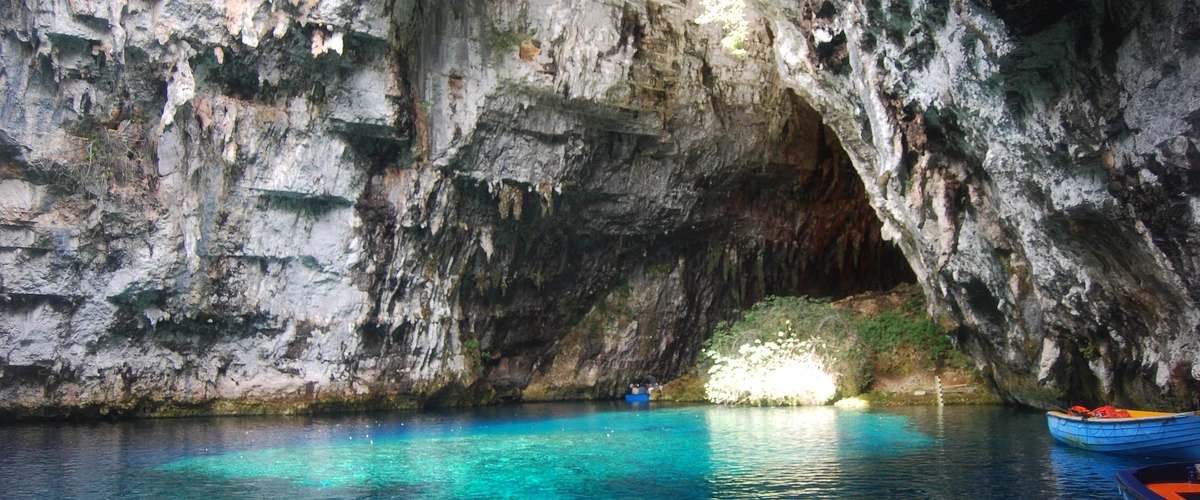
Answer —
1117 420
1128 482
1138 481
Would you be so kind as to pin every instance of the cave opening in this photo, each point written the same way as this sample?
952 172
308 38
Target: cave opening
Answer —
801 222
616 280
604 236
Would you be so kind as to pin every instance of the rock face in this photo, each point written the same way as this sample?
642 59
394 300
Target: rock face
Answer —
272 206
1036 162
279 206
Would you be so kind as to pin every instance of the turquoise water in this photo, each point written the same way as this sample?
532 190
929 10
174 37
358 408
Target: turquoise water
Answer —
584 450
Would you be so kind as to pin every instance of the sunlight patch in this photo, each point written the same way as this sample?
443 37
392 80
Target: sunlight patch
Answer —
783 372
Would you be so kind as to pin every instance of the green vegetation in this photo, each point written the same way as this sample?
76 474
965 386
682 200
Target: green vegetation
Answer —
795 350
732 15
503 36
475 356
688 387
906 331
783 351
893 329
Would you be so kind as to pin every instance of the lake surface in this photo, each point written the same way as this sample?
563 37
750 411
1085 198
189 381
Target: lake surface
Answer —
575 450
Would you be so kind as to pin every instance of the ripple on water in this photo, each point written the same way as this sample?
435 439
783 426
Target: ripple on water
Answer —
563 451
695 450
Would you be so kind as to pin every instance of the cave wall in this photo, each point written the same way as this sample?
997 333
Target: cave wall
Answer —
273 206
265 206
1035 161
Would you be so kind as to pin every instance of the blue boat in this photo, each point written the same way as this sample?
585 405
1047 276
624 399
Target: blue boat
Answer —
1145 433
1174 481
637 398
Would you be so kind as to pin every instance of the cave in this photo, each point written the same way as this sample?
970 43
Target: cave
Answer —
571 271
483 201
593 238
456 205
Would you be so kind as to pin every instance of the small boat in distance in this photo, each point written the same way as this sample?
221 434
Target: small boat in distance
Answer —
1175 481
637 398
640 390
1146 433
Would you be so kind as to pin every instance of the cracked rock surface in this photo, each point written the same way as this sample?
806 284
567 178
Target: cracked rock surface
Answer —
1035 161
261 206
295 206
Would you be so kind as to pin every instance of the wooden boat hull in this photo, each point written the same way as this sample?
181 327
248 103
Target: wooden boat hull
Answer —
1144 433
637 398
1174 481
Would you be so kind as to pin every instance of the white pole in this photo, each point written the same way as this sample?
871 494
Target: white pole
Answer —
941 402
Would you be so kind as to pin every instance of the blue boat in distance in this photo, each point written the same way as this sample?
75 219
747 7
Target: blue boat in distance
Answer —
637 398
1146 433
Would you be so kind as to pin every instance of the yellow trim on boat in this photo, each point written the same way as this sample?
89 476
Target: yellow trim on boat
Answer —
1132 414
1143 414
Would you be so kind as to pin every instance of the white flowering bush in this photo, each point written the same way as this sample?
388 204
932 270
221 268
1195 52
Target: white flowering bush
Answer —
787 372
786 351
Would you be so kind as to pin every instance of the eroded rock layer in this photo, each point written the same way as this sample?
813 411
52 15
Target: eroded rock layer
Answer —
1035 160
264 205
278 206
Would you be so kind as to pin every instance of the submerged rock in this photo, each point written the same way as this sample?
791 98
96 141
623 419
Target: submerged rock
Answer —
374 204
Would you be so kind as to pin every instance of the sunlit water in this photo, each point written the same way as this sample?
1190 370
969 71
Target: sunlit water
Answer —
562 451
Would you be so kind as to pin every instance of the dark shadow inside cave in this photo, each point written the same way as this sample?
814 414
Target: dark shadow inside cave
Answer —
611 281
801 223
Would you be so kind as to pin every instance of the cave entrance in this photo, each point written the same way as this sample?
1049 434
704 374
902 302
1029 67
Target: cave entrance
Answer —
801 224
638 258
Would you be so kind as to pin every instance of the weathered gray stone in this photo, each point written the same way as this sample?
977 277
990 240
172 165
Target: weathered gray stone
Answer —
1015 153
260 206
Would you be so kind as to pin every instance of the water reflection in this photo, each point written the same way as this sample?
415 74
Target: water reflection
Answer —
788 452
589 452
109 459
565 450
1074 469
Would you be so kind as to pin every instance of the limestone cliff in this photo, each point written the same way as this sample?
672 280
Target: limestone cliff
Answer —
1035 160
269 205
285 205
